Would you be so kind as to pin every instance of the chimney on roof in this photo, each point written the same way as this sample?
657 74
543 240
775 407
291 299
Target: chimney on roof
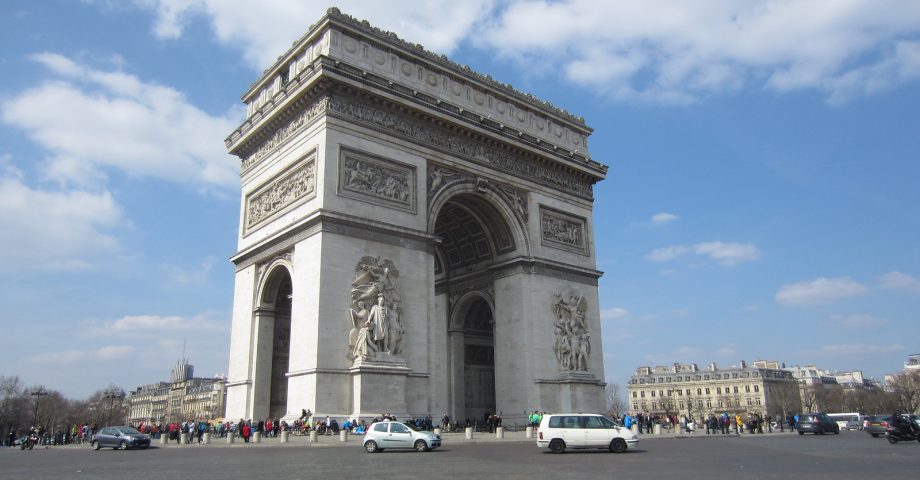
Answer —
712 366
743 364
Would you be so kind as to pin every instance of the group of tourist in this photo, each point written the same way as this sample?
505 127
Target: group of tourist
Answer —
723 423
74 435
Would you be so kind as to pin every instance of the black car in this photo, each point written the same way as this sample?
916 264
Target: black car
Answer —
817 423
120 437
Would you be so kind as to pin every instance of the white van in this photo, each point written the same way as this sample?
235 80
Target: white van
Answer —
560 431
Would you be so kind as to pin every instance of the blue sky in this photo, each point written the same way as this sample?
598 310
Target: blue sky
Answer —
762 199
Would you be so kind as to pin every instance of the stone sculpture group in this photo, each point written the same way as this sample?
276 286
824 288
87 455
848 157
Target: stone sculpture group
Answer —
377 330
572 344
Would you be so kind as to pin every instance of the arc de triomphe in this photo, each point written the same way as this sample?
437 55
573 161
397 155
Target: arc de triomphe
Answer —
414 238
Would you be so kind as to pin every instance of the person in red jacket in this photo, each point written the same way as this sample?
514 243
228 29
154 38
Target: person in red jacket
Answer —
246 430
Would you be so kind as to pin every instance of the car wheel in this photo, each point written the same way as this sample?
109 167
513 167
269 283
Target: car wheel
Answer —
801 432
370 446
123 445
557 446
874 435
820 431
618 445
421 446
96 445
837 431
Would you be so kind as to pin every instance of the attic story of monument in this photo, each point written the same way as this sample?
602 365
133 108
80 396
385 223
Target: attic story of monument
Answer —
415 238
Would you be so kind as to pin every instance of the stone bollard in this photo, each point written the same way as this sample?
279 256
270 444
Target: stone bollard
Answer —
635 429
312 436
343 435
207 438
183 439
437 431
657 429
164 439
500 432
469 433
231 437
257 437
284 436
528 432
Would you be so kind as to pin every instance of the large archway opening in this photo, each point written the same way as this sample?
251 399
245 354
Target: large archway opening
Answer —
474 236
479 361
276 315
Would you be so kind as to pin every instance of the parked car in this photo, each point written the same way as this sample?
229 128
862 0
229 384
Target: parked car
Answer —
389 434
817 423
120 437
876 425
583 430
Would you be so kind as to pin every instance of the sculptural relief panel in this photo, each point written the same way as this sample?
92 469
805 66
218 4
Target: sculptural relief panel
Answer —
293 186
572 341
374 179
374 311
563 230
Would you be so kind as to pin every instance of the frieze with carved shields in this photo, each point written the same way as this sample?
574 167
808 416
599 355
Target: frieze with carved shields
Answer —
572 344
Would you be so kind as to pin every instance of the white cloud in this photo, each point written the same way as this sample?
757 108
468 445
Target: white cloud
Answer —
91 121
112 352
728 254
666 254
818 291
677 51
899 281
268 31
858 321
613 313
663 218
142 326
73 230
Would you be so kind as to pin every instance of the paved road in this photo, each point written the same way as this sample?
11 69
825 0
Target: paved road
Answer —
850 455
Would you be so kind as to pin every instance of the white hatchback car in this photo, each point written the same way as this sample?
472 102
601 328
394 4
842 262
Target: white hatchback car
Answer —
559 431
383 435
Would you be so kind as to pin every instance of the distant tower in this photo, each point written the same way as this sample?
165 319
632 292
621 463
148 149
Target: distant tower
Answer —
182 371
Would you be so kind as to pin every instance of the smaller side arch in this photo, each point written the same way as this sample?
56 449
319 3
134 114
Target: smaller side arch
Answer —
269 280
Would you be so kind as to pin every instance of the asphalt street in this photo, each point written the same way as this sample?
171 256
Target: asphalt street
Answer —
850 455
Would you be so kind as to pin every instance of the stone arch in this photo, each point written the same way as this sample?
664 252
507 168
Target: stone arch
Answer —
487 196
272 347
472 384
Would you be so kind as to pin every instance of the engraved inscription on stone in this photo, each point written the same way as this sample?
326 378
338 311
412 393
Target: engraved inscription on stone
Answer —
294 185
562 230
373 179
572 341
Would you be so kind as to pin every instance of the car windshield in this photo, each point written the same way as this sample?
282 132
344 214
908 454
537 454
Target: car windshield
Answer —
129 430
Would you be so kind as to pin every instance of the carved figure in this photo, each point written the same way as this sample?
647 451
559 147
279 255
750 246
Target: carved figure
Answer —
572 341
376 280
364 347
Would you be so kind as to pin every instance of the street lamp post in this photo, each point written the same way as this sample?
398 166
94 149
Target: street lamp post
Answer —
112 395
38 393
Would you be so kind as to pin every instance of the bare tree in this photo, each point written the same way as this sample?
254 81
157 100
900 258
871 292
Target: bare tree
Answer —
616 404
905 389
809 398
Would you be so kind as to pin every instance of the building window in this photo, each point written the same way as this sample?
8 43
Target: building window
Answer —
688 391
679 392
750 402
699 391
681 405
651 380
719 390
735 389
756 388
635 394
642 394
660 393
707 390
718 376
641 380
708 404
653 393
706 377
758 401
720 403
669 379
747 388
